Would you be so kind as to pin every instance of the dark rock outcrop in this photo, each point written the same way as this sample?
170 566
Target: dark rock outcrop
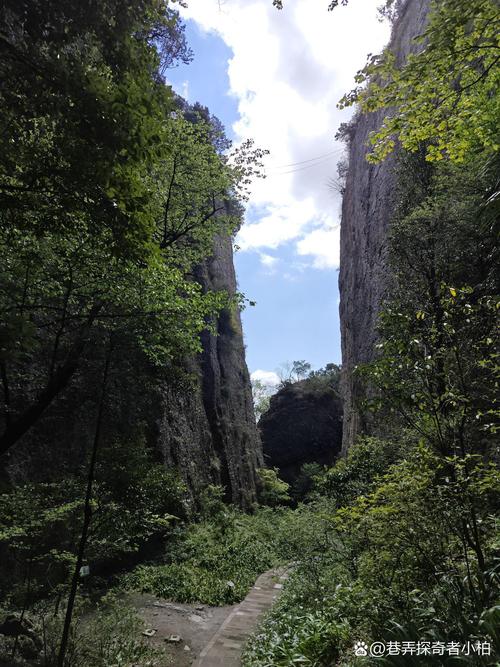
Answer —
198 419
366 212
303 425
208 431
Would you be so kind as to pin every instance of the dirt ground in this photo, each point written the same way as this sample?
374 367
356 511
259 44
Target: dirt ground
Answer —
194 624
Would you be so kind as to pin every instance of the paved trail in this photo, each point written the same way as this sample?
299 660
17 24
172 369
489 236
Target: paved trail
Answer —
226 646
207 636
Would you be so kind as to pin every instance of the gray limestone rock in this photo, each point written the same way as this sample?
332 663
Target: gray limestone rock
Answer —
366 212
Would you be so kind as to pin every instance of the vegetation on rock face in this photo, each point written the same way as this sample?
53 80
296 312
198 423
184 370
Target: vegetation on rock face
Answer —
445 95
111 193
110 197
408 548
438 366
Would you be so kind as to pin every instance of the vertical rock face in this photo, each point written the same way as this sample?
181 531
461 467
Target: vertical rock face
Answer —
227 393
208 431
366 212
200 422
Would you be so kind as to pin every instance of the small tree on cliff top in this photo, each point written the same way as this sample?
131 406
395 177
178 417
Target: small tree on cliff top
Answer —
447 93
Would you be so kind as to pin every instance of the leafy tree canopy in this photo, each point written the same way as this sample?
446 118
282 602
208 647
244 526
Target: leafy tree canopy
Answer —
111 193
83 104
446 94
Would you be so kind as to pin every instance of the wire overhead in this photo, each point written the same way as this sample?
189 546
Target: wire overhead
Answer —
303 165
313 159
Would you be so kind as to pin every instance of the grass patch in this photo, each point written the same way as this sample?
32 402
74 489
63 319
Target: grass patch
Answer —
216 561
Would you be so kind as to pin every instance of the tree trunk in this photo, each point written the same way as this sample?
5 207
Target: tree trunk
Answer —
87 516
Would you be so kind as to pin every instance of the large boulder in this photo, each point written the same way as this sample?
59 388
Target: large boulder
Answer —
303 425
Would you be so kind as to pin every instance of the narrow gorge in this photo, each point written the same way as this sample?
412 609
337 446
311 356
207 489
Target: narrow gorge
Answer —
174 492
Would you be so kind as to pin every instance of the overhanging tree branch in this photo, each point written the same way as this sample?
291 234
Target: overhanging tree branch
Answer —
55 385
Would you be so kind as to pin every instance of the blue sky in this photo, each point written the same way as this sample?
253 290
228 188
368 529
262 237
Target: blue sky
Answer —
276 77
205 79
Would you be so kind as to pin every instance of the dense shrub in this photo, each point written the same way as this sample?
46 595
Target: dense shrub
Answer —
217 560
272 490
135 500
108 635
395 562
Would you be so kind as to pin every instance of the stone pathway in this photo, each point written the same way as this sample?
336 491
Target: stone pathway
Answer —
226 646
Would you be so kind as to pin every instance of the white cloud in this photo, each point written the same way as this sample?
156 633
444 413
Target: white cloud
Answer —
276 225
323 245
268 378
185 90
288 70
268 261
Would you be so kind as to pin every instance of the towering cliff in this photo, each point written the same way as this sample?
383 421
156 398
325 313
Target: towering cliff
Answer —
208 429
198 419
366 212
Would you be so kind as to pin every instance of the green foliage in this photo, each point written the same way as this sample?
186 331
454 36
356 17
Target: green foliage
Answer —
306 625
404 542
211 502
446 93
300 369
216 561
261 398
38 533
355 474
111 194
330 372
312 637
409 536
307 481
272 490
49 283
438 364
134 500
400 550
61 293
105 635
82 112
